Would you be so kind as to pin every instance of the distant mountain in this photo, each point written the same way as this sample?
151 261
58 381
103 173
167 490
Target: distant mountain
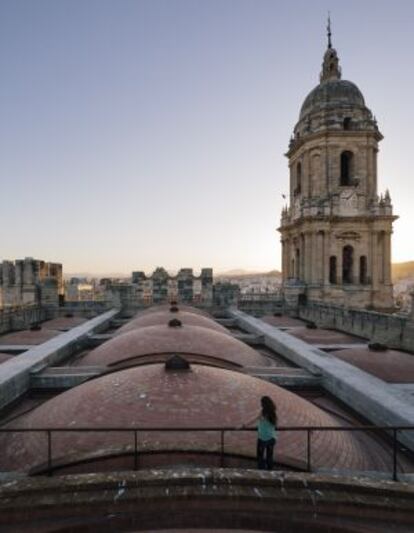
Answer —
95 275
240 273
402 270
236 272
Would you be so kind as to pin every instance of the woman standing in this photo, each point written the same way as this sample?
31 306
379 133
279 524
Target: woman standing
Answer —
266 433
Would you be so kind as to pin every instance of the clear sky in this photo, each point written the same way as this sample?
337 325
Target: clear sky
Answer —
138 133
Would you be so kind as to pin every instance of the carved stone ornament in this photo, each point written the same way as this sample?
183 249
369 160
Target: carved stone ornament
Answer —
348 236
348 203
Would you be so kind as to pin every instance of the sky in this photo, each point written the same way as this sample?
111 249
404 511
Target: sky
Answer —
144 133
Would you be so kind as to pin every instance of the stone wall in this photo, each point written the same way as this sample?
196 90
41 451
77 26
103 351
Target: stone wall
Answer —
21 317
260 304
18 318
395 331
30 281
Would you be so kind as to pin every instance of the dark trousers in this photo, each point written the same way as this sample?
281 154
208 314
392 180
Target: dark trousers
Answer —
265 454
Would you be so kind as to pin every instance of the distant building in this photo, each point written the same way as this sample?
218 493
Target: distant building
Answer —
162 287
226 294
79 290
30 281
336 232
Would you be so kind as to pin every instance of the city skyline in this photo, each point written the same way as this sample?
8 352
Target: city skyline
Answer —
140 134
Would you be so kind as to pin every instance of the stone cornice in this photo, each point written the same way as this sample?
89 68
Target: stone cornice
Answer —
337 219
326 134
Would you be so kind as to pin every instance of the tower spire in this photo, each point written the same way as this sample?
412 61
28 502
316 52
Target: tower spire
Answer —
330 66
328 29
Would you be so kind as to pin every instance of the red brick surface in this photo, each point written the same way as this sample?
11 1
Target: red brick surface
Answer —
204 396
166 307
164 339
64 322
163 317
5 357
28 336
392 365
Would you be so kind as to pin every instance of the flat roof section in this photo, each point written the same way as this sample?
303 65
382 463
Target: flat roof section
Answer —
282 321
64 323
28 336
324 336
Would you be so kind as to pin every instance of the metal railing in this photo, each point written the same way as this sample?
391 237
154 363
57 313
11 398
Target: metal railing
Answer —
391 432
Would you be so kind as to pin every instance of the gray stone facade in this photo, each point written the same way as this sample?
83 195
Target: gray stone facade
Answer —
185 287
30 282
336 231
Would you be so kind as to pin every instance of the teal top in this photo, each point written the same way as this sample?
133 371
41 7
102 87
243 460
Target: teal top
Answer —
266 430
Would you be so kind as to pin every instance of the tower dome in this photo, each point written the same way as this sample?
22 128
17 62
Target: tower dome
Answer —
333 104
332 94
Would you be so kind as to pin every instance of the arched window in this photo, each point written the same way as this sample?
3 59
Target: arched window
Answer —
298 188
347 163
363 270
332 269
347 264
347 123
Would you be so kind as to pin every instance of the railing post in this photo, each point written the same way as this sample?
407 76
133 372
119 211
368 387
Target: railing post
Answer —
222 448
309 451
394 454
135 450
49 452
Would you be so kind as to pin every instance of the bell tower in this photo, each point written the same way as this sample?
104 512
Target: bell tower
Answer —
336 230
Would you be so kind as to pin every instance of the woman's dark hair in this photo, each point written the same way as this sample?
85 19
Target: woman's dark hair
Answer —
269 409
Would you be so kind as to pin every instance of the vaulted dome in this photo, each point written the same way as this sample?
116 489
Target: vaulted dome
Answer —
134 345
166 307
154 397
161 318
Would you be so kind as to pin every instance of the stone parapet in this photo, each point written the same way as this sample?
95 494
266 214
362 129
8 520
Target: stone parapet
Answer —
207 498
390 329
21 317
